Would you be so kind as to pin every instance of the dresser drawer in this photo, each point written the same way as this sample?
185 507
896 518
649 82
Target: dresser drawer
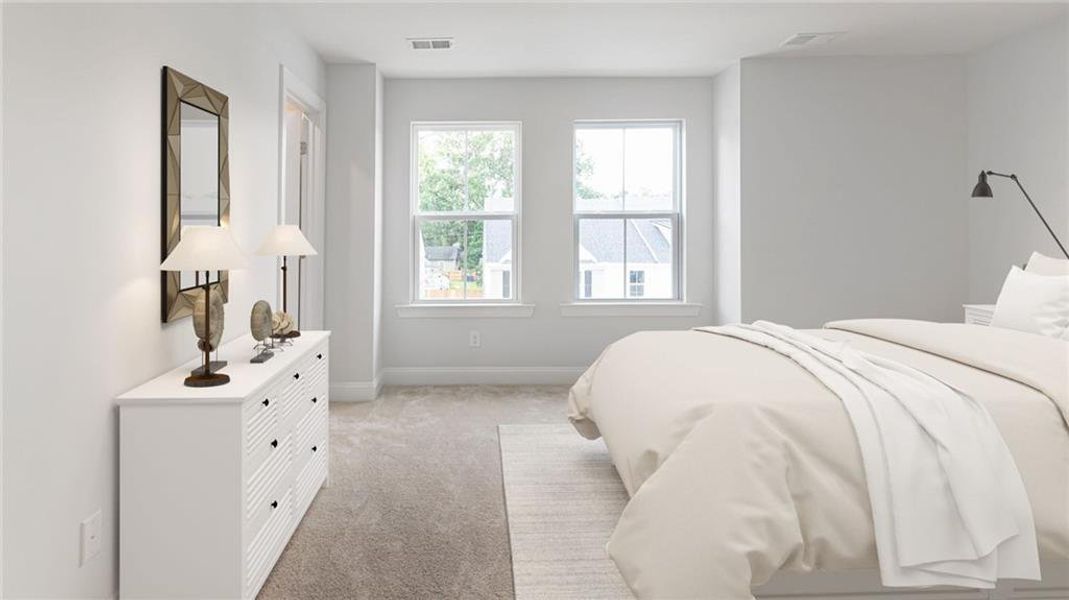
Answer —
310 479
313 378
267 544
291 394
315 371
262 485
311 432
260 419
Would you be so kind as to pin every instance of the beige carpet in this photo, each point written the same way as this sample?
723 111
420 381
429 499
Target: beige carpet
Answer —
415 509
563 498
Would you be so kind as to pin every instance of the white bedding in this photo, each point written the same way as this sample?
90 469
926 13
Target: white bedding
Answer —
741 463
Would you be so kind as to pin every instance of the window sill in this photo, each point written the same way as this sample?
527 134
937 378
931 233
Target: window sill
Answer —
630 309
464 311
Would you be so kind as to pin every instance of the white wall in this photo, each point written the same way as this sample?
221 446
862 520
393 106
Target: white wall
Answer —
853 203
727 125
354 199
81 243
547 108
1018 115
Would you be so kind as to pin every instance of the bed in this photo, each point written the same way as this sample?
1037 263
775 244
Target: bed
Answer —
743 469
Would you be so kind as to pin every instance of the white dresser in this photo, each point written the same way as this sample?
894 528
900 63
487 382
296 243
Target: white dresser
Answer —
213 481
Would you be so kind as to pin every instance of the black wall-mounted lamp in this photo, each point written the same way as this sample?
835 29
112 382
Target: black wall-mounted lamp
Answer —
983 190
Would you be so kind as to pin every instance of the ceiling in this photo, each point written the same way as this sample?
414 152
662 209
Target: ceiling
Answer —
526 39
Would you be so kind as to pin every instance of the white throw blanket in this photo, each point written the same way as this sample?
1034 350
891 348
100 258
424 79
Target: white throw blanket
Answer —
948 503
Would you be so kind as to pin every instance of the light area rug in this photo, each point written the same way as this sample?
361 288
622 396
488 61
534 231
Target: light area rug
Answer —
562 500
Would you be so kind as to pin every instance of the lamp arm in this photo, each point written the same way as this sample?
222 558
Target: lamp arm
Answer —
1013 177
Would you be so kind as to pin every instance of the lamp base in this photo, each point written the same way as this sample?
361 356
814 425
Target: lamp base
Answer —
215 365
209 380
292 334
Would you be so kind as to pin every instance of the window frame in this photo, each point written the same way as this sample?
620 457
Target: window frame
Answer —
416 217
675 215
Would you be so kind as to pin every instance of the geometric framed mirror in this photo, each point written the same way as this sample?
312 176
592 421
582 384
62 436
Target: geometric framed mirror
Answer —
196 182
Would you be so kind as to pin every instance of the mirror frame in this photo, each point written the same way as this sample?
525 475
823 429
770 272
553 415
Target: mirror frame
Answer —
177 89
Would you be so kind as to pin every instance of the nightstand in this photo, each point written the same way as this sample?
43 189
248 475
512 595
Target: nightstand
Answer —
979 314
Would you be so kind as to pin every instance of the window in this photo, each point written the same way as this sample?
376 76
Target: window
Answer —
465 211
627 202
636 284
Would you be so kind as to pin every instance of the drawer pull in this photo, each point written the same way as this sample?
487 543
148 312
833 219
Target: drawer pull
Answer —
296 375
274 504
314 400
274 443
315 448
319 356
266 401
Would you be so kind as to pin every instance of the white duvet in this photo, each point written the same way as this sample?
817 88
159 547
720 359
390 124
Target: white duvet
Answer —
740 462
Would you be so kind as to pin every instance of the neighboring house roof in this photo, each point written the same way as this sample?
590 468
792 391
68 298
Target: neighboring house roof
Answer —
648 241
441 253
601 240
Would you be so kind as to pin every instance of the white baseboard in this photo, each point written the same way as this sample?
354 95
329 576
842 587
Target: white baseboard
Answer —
481 375
363 391
355 391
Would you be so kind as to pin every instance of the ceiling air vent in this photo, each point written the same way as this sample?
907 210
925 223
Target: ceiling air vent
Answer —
440 43
811 39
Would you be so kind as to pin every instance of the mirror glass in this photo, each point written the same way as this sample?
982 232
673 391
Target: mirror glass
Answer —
199 176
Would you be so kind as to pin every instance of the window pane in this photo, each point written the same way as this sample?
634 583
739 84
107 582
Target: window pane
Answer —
441 246
649 167
601 254
599 168
491 170
490 260
649 258
440 157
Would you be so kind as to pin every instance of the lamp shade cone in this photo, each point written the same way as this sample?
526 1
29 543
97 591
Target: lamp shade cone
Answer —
205 248
286 240
982 189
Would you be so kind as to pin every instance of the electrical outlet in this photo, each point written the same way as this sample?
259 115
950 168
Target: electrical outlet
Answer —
474 339
92 529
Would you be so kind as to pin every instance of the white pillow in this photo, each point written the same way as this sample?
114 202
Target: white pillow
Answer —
1045 265
1035 303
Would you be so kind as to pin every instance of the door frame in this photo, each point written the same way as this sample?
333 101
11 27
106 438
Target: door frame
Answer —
313 211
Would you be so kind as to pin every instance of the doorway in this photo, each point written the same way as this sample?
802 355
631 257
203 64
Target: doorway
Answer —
301 196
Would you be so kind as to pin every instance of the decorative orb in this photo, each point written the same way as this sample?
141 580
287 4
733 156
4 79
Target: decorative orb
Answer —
215 318
261 321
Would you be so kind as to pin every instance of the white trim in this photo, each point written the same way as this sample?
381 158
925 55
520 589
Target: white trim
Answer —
482 375
415 216
3 421
630 309
356 391
675 215
313 213
471 311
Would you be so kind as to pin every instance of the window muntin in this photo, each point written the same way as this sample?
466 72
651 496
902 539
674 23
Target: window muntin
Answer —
627 201
465 211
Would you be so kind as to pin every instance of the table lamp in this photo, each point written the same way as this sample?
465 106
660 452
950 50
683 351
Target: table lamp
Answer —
205 248
285 241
